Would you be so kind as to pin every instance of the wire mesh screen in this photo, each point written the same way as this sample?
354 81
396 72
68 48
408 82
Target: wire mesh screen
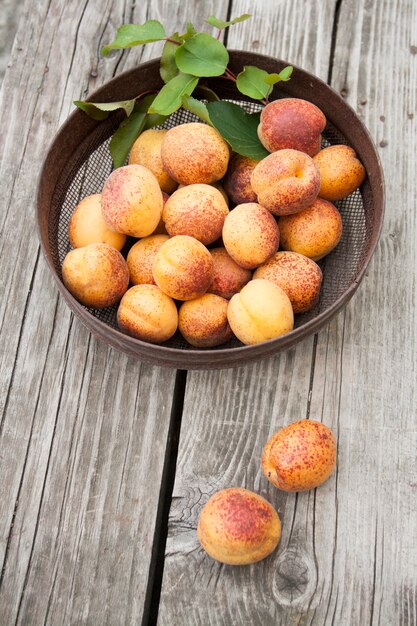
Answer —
89 168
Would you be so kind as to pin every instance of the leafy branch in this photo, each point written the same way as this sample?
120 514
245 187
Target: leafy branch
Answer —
186 58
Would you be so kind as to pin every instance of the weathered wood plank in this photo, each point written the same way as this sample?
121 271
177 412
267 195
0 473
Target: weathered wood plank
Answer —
229 415
346 555
9 17
84 429
366 389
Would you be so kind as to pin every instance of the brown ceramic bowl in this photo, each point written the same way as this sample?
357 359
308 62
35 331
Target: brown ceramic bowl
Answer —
78 162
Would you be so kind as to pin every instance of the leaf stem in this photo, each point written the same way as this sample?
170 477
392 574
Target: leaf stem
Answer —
178 43
230 74
226 77
145 93
219 34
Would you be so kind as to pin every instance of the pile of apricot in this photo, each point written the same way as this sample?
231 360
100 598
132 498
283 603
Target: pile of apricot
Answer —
198 266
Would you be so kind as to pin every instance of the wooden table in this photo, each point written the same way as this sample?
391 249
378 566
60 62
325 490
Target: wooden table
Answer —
98 449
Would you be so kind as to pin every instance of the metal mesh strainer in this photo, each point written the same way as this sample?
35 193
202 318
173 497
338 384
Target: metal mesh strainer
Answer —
85 171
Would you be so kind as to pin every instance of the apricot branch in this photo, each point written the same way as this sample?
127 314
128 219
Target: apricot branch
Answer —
186 58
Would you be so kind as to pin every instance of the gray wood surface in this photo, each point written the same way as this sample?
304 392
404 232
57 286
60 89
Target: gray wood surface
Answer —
86 431
347 554
10 12
84 428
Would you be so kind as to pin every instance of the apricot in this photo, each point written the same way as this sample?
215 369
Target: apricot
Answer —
146 313
299 276
228 276
340 170
160 229
96 275
146 151
87 225
197 210
217 186
238 527
299 456
314 232
250 235
261 311
291 123
183 268
132 201
222 190
203 321
286 181
141 257
195 153
237 182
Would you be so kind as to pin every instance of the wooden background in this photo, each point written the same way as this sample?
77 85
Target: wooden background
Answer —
93 442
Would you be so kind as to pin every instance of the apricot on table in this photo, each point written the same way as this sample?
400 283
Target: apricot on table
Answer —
299 276
286 181
197 210
291 123
250 235
141 257
228 276
259 312
87 225
146 313
132 201
203 321
340 170
195 153
96 275
314 232
183 268
299 456
146 151
238 527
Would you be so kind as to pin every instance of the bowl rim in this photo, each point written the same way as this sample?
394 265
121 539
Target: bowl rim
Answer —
219 357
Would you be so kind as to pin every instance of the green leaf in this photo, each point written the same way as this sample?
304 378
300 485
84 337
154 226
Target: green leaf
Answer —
125 136
151 120
202 55
207 94
144 103
257 83
190 30
214 21
101 110
238 128
252 82
168 68
154 120
130 35
197 107
169 99
284 75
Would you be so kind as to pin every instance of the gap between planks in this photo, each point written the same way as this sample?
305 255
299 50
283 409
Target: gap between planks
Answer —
153 593
156 568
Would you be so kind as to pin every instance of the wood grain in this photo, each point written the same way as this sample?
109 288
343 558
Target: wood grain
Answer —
9 17
83 427
365 386
229 415
346 555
